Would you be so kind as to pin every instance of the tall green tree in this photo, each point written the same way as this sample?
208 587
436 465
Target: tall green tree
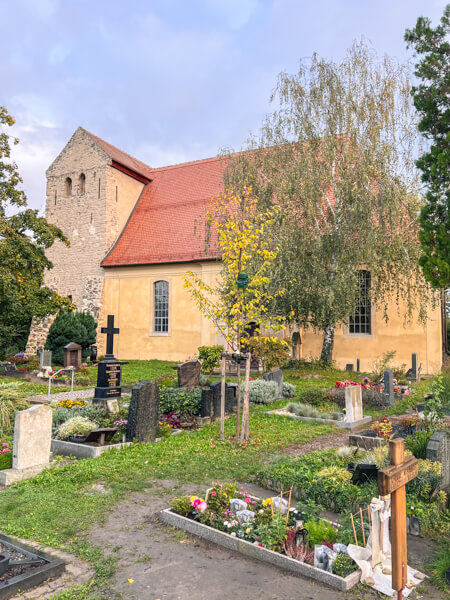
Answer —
337 155
432 101
24 237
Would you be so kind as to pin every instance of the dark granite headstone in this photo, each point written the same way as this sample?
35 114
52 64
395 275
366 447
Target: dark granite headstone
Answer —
143 414
413 372
109 376
10 368
206 405
388 394
438 449
349 367
189 374
210 402
276 376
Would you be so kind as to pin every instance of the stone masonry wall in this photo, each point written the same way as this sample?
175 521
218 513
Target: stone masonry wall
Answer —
82 217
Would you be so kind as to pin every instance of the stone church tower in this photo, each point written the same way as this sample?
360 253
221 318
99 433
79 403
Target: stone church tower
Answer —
92 188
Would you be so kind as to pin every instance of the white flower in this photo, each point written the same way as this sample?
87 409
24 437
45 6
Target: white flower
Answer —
260 511
233 533
226 523
229 525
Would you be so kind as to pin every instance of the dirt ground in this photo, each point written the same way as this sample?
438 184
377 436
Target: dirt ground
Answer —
168 564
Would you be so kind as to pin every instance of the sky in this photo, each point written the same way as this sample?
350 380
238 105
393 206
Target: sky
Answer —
169 81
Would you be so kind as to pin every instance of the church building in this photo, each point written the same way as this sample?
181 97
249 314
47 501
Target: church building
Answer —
135 231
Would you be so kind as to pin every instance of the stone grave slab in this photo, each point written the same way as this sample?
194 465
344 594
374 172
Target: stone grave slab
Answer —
31 446
388 394
143 413
189 374
276 376
45 359
438 449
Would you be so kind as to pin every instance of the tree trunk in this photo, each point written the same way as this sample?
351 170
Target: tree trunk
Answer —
238 405
246 409
327 346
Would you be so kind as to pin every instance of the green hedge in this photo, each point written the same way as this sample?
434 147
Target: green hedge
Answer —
179 400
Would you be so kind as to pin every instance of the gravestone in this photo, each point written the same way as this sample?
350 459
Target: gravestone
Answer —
438 449
109 372
10 368
353 403
143 414
414 372
45 359
32 437
72 355
388 393
276 376
189 374
210 400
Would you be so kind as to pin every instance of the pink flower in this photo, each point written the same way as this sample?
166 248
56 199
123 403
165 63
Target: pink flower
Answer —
213 493
5 444
247 500
6 450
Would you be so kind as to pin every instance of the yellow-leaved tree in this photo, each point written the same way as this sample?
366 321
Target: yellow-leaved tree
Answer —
245 239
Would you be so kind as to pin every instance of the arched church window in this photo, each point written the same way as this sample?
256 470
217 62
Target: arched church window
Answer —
360 321
68 186
161 307
82 183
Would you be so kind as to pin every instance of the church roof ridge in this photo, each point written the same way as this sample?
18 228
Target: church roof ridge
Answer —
121 156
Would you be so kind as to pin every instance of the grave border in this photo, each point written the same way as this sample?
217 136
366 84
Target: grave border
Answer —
276 559
53 568
349 425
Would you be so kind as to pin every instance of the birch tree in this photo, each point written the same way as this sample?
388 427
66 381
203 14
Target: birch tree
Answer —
337 157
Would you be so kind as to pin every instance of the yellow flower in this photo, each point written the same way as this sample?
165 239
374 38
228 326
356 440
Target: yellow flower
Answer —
248 530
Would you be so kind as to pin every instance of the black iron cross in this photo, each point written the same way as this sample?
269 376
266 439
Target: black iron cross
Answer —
110 331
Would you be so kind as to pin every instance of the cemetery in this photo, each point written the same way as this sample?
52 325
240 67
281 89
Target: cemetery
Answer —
319 514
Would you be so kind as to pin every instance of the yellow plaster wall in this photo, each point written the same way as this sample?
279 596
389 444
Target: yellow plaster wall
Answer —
128 294
425 340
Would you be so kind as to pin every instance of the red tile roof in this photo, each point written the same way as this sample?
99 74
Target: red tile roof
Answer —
168 223
122 157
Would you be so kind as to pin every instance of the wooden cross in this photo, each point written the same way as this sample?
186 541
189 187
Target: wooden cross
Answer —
110 331
392 480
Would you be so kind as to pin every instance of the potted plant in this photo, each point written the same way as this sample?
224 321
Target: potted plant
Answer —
75 429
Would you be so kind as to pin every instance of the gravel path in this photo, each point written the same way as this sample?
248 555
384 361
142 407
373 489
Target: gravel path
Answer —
75 395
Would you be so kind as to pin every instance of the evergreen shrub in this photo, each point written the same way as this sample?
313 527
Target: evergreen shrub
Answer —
78 327
179 400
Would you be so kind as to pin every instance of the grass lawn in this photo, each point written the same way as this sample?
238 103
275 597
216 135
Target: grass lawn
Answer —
140 370
34 508
58 507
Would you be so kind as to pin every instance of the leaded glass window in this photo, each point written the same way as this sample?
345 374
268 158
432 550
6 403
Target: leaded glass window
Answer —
360 321
161 316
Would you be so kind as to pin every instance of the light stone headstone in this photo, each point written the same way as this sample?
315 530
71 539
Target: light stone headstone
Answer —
32 437
45 359
388 379
438 449
353 403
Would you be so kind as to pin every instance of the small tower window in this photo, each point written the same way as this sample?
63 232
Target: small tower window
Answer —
68 186
82 183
